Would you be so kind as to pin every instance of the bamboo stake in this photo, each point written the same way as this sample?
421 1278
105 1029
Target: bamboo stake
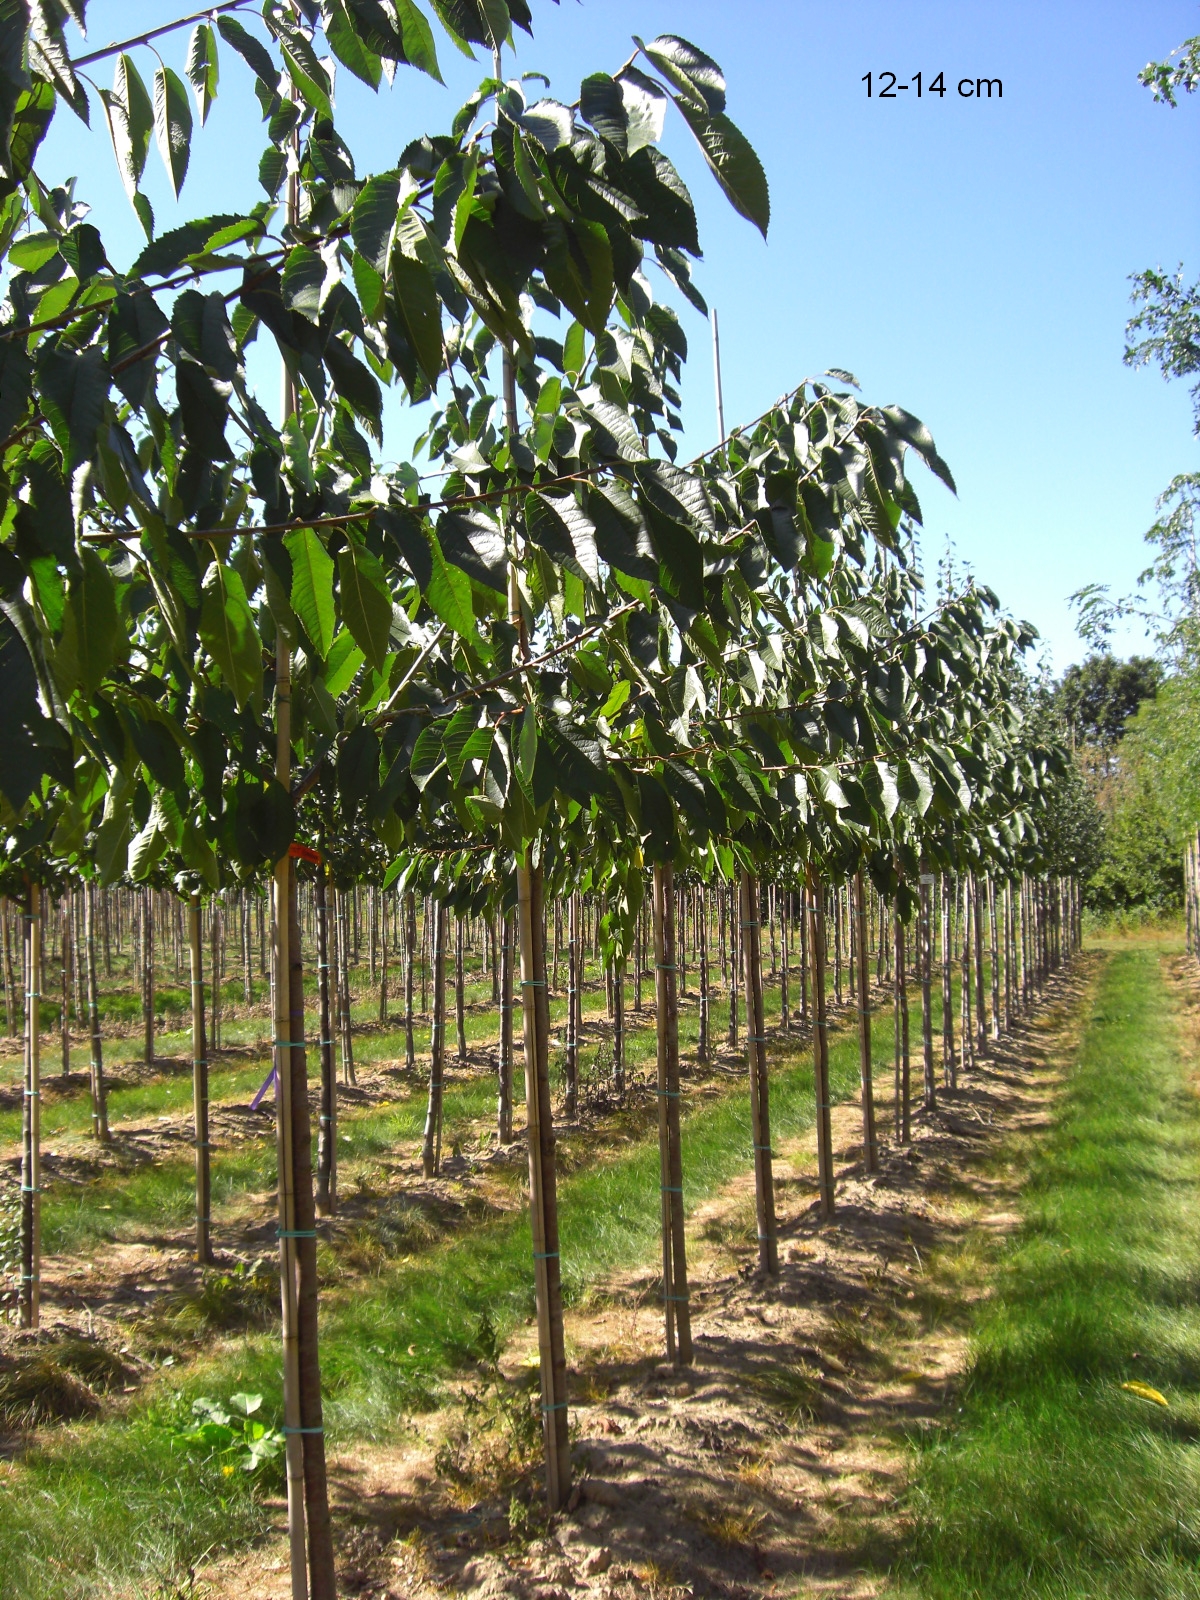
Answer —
756 1060
949 1065
903 1060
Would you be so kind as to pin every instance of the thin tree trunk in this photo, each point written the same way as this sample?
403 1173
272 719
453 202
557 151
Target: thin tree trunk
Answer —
866 1075
926 959
571 1053
29 1298
981 1039
756 1061
327 1127
68 947
504 1106
460 993
99 1093
200 1087
949 1064
675 1282
820 1043
431 1149
322 1577
702 1042
410 942
903 1072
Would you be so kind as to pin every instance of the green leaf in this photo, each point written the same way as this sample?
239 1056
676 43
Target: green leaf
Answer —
172 125
356 385
574 351
14 29
420 310
373 217
16 385
312 587
366 603
449 595
303 277
203 69
130 122
527 748
698 76
348 47
307 73
602 104
733 161
91 625
228 633
418 38
427 755
256 56
74 389
343 662
645 109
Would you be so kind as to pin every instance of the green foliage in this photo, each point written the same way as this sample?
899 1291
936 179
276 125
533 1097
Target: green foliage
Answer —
1098 697
231 1435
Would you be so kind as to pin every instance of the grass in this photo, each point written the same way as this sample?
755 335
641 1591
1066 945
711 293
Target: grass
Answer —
1056 1481
387 1342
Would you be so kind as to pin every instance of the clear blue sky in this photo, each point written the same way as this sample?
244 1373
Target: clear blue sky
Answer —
966 259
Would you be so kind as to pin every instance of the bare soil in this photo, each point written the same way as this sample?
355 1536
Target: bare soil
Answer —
777 1463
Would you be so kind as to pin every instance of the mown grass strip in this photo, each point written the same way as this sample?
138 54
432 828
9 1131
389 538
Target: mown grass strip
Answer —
1057 1481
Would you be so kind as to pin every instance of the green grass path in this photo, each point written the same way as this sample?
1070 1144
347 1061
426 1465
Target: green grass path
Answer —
1056 1481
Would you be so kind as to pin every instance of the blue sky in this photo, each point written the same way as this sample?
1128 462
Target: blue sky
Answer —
967 259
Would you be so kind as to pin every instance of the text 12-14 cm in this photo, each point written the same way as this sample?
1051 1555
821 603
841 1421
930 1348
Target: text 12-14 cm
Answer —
885 86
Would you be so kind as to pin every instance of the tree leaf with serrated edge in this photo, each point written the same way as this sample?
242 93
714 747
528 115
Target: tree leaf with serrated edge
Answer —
914 432
645 109
915 789
14 26
692 72
578 531
420 310
734 164
372 218
312 587
602 104
202 68
172 125
889 794
73 389
303 277
346 44
91 625
527 749
255 54
427 755
130 121
456 736
418 39
470 539
343 662
366 604
615 434
357 386
228 633
449 595
16 385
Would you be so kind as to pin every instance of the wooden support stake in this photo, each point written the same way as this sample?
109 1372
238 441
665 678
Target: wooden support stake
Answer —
816 908
866 1075
200 1087
29 1299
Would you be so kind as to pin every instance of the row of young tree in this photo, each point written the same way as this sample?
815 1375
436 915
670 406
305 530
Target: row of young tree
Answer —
239 647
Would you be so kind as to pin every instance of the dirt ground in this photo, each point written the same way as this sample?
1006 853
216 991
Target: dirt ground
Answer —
776 1463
